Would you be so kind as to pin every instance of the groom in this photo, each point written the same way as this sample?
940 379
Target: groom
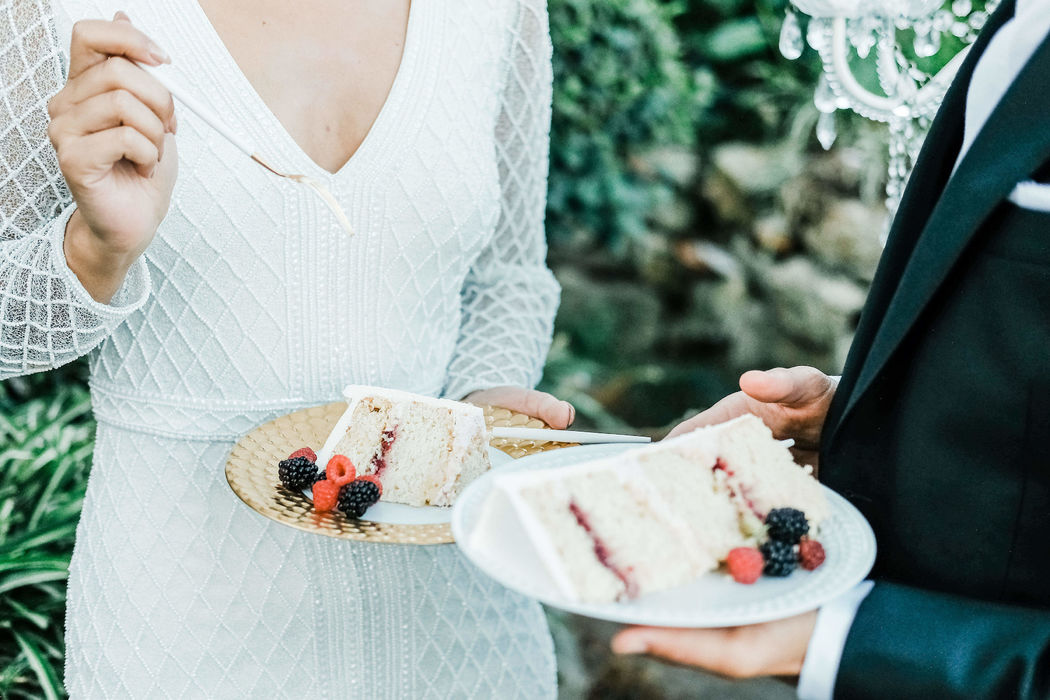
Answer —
939 431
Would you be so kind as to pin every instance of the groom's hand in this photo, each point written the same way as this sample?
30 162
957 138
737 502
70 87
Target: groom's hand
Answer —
769 649
538 404
792 402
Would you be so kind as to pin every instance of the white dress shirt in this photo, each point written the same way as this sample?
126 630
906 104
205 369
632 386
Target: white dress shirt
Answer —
1003 58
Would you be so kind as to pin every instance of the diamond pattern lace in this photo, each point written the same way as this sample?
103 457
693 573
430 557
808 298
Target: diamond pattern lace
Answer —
251 302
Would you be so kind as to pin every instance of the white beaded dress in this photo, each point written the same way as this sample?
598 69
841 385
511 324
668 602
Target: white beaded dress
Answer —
252 302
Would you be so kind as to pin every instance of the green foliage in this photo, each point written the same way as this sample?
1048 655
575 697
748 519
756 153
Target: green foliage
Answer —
755 91
620 87
46 441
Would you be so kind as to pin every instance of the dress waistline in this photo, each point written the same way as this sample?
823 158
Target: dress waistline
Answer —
186 418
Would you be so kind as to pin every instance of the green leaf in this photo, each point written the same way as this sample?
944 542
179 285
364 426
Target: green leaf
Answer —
40 620
31 540
45 672
29 578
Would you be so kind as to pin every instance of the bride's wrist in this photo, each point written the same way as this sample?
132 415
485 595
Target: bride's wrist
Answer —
99 268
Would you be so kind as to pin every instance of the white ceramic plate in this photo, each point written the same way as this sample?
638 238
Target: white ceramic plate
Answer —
400 514
715 600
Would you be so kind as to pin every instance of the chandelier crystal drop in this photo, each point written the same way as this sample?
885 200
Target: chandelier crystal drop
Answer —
879 38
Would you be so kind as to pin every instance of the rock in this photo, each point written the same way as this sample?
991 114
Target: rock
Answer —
810 305
677 164
846 238
673 216
717 306
773 234
729 203
615 321
756 170
803 201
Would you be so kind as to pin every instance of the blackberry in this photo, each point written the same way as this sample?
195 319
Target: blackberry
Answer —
356 497
320 476
786 525
780 558
297 473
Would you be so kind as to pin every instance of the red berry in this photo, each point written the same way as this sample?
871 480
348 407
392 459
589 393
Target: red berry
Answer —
304 452
340 470
745 564
326 495
374 479
810 554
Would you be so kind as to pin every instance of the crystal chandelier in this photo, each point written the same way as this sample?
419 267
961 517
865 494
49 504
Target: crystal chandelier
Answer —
851 34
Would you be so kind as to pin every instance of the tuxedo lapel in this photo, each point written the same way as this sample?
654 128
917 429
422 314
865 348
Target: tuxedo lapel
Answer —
1013 143
932 170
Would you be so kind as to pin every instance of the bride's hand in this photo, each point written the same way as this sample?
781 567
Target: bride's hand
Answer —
554 412
112 126
792 402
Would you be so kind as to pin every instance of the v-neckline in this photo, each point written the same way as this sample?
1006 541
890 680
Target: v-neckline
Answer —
376 130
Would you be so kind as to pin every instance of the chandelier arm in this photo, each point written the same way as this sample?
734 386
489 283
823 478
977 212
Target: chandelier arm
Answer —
866 102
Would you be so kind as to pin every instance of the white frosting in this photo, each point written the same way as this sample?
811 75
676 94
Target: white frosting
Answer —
506 490
469 424
341 426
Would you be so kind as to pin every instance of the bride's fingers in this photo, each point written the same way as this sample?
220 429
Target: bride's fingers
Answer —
95 40
96 153
109 76
554 412
113 109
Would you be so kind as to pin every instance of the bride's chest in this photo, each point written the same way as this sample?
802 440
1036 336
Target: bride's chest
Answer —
425 176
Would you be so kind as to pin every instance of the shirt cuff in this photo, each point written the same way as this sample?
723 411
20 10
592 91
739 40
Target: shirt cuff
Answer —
821 666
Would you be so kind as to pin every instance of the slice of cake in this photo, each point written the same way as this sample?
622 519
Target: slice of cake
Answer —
654 517
423 450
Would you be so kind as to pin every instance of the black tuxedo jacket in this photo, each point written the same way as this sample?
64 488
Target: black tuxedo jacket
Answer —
940 429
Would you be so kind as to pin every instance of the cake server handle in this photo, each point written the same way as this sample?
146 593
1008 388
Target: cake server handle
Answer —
578 436
547 435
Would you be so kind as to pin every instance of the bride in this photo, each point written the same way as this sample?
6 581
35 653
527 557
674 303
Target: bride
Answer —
211 296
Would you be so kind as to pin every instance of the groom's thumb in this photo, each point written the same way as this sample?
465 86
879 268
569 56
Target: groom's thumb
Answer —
797 385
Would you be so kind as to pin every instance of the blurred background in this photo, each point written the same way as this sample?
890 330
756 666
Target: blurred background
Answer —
698 230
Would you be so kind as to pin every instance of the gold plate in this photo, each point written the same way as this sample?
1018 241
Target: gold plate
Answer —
251 470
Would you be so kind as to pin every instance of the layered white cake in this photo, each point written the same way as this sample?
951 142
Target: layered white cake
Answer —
424 450
654 517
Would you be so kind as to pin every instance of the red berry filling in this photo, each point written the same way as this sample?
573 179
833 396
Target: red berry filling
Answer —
379 461
720 465
602 552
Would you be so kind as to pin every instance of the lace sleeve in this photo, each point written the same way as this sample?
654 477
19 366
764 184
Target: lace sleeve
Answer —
47 318
510 297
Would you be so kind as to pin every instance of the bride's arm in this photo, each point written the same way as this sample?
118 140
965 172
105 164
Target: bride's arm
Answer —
47 317
510 296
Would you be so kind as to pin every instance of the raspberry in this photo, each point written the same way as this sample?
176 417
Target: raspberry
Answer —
296 473
745 564
374 479
810 554
786 525
304 452
358 497
780 558
340 470
326 496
